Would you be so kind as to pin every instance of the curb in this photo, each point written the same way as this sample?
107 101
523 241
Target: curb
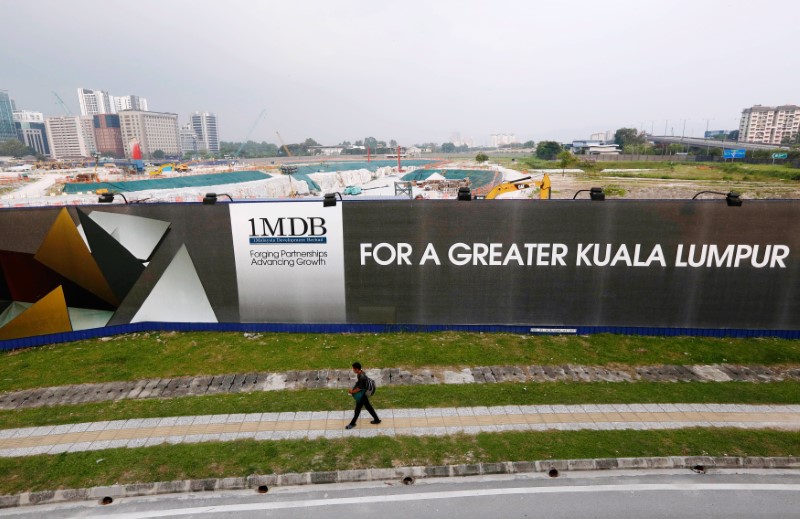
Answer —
406 475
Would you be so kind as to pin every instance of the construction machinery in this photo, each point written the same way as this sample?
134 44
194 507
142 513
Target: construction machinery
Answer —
164 167
283 144
521 188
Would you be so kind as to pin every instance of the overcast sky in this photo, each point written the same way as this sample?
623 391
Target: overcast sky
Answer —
413 71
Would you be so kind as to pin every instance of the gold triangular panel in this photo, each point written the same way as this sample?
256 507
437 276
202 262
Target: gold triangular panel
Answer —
47 315
64 251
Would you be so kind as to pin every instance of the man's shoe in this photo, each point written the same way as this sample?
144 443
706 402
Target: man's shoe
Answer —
349 426
375 422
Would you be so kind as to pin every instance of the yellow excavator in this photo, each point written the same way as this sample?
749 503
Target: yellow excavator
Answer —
521 188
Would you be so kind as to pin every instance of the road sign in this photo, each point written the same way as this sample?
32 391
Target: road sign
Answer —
733 154
780 155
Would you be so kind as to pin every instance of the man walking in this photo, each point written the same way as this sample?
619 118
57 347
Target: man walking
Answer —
359 393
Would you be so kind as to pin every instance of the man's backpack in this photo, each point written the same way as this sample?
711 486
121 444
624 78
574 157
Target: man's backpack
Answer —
371 386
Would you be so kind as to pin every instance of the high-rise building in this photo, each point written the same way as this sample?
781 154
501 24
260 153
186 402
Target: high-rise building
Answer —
33 135
8 130
70 137
26 116
204 125
190 142
499 139
152 130
131 102
108 134
95 102
770 124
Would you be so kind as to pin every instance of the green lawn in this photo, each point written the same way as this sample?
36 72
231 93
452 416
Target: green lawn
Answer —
242 458
398 397
161 355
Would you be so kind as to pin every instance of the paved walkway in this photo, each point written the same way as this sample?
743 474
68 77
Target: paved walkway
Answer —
419 422
338 379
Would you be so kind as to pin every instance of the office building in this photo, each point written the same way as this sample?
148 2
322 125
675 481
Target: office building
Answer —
26 116
33 135
108 135
95 102
7 129
770 124
131 102
70 137
204 125
153 130
190 142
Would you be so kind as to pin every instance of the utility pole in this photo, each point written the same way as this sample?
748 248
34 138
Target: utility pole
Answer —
705 136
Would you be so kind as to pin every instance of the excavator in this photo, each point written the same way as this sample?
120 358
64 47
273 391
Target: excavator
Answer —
521 188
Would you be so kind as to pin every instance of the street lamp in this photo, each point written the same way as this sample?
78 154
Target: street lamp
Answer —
732 198
595 193
330 199
211 198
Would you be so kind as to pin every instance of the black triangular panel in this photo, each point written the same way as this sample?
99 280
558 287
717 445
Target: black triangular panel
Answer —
120 268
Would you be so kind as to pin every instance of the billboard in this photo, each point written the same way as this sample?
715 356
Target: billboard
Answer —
671 264
734 154
780 155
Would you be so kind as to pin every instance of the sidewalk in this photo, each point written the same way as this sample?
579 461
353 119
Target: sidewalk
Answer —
416 422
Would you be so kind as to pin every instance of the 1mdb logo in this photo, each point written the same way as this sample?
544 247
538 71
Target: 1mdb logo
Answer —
288 229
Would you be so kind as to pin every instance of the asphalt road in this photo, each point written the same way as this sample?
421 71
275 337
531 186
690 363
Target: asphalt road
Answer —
618 495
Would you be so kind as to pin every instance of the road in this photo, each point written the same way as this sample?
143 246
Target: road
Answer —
763 494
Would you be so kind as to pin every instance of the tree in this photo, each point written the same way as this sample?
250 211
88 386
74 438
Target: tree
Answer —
566 159
372 142
448 147
15 148
158 154
393 143
547 150
626 136
481 157
310 142
528 144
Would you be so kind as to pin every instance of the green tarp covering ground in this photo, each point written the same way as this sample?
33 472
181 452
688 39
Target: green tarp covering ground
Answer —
478 177
212 179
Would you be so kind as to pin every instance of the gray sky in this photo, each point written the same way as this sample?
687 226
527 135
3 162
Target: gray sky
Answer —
414 71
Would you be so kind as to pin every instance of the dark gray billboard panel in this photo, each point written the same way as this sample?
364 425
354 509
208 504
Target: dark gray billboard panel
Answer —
674 264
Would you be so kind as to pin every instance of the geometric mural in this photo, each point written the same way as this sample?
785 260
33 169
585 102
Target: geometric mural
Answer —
137 234
48 315
119 267
178 296
64 251
75 278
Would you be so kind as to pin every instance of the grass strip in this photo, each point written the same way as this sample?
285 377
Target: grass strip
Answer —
232 459
399 397
172 354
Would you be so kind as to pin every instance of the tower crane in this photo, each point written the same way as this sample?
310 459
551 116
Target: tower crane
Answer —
250 132
62 104
288 153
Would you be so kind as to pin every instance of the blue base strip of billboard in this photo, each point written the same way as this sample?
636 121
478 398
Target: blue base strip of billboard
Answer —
40 340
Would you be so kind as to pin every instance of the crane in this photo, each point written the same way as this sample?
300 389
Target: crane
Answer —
239 151
62 104
288 153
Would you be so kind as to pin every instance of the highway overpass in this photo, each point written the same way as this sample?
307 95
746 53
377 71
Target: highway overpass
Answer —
697 142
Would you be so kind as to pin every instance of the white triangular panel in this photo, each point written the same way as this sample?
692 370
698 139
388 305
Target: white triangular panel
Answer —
137 234
178 297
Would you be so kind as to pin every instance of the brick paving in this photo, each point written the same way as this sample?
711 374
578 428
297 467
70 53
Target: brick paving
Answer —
338 379
395 422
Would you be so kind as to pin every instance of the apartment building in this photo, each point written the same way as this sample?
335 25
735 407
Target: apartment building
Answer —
770 124
499 139
152 130
95 102
204 125
70 137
